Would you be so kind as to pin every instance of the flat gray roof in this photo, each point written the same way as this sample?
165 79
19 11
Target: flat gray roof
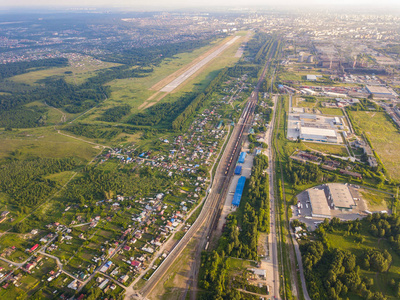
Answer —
318 131
319 204
374 89
341 196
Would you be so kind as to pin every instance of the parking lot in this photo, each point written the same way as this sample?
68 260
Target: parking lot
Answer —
303 211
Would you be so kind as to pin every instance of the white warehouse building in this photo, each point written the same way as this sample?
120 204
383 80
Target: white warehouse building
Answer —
318 135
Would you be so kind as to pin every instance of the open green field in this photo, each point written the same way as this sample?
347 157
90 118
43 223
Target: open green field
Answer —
297 73
384 136
327 149
134 91
54 115
82 68
376 201
44 142
381 280
61 178
331 111
299 102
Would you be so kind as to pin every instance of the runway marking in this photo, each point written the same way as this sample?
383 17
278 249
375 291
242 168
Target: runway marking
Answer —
174 80
187 74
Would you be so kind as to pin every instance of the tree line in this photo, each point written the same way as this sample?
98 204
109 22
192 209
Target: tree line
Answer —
181 121
255 206
114 114
299 174
152 55
238 242
386 226
162 112
94 131
17 68
258 192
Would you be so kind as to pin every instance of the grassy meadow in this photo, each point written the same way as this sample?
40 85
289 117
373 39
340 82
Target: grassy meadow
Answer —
79 70
384 136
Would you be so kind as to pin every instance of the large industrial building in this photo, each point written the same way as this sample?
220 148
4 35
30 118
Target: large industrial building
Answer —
340 196
315 128
380 91
318 134
319 204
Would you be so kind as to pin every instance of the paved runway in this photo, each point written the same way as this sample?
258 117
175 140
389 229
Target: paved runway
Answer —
182 78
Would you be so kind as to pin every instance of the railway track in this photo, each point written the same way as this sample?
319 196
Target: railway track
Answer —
247 116
212 208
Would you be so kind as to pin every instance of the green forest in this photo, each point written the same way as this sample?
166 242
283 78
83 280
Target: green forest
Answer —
114 114
336 271
23 180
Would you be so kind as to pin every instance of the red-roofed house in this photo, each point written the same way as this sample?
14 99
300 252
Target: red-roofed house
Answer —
34 248
136 263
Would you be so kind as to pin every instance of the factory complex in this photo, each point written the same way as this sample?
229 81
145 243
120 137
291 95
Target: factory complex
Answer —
315 128
332 196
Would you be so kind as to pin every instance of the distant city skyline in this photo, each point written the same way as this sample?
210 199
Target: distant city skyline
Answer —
193 3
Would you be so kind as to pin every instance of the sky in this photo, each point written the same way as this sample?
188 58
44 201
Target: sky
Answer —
191 3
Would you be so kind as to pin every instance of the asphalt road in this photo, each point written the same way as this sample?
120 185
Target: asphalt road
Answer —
301 270
273 235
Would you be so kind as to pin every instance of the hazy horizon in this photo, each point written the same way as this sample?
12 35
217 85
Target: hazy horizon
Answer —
26 4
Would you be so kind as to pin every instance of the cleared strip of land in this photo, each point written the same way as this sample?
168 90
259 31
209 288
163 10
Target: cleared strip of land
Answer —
188 73
163 82
240 51
171 82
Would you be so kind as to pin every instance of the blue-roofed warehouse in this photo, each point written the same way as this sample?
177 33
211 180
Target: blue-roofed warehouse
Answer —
239 191
238 170
242 157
